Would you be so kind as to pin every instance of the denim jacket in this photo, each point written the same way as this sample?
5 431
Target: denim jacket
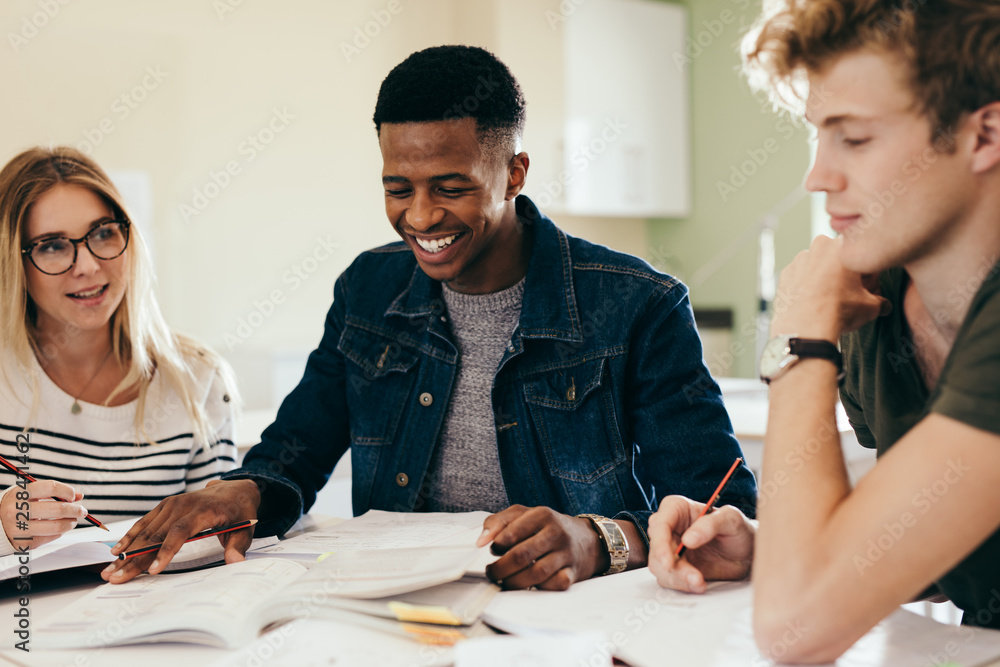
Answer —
602 402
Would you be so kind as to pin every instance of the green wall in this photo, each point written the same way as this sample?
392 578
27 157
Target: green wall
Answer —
745 160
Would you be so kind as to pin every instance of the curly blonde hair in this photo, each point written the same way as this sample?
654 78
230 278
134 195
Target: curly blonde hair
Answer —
951 49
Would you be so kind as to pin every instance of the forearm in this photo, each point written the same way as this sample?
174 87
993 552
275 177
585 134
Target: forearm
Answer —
804 460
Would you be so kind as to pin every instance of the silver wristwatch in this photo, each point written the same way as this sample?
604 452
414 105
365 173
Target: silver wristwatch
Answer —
782 352
612 537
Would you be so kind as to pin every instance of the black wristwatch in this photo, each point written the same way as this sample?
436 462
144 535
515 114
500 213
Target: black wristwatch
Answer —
783 352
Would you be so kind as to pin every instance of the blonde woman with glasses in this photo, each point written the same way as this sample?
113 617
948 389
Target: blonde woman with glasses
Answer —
100 401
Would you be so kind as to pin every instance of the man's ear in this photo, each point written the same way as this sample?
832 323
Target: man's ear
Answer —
517 174
986 124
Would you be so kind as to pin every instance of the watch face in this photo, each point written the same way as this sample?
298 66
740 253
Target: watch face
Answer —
775 356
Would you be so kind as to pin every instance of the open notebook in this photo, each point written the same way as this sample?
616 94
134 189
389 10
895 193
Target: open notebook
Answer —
92 546
648 626
230 606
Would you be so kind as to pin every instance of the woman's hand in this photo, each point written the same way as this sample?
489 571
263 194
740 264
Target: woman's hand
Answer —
31 517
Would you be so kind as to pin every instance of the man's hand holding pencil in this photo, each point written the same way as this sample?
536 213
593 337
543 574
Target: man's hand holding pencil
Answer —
718 545
178 518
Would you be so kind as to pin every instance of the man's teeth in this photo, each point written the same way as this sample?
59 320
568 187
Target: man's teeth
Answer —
435 245
88 295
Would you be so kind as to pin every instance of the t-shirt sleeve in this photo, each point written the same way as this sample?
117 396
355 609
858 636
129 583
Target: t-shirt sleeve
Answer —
970 383
849 389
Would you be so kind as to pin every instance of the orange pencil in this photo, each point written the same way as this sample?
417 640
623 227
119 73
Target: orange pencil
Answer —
23 475
711 501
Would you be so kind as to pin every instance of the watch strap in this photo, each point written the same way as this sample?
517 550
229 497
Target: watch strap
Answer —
808 348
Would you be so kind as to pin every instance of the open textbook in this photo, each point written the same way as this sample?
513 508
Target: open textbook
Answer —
92 546
231 605
382 569
312 538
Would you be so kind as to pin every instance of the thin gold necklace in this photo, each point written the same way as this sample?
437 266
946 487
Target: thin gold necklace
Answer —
75 408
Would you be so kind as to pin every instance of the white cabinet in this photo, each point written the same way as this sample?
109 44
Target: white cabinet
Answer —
626 109
608 101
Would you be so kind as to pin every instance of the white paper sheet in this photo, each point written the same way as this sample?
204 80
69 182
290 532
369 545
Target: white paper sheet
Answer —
509 651
323 643
644 623
376 529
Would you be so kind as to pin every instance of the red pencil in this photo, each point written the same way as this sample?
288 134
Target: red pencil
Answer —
711 501
200 536
23 475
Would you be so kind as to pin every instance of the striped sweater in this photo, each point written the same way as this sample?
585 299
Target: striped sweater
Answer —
98 451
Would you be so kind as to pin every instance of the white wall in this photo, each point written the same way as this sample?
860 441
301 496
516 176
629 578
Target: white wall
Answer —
224 71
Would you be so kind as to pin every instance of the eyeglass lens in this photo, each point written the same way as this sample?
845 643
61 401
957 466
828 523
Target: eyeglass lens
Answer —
57 255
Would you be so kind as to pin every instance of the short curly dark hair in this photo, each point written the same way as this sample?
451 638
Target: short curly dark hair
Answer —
454 82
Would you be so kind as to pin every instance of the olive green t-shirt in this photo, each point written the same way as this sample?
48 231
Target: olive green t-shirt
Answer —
885 396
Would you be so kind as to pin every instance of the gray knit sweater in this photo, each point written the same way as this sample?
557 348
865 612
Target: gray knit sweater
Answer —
465 472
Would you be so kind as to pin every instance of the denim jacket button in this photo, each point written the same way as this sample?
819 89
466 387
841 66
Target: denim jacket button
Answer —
510 348
426 399
402 479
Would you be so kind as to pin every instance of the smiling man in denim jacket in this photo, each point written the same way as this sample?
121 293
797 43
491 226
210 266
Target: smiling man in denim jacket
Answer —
487 362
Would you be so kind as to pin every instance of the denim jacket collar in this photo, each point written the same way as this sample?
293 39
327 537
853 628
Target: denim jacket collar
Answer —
549 308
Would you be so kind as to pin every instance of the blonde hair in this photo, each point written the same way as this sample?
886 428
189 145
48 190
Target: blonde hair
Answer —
950 47
140 338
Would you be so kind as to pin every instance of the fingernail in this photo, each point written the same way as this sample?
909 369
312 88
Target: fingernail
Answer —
109 568
117 546
483 537
693 581
155 565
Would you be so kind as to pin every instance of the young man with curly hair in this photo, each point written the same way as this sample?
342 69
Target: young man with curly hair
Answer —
905 99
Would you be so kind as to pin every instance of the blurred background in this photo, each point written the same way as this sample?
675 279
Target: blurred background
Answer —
240 132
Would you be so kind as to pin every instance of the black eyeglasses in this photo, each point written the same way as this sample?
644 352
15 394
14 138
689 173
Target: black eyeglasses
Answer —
57 255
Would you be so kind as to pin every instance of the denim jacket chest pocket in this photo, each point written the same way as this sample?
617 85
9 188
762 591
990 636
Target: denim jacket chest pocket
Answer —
378 382
573 412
